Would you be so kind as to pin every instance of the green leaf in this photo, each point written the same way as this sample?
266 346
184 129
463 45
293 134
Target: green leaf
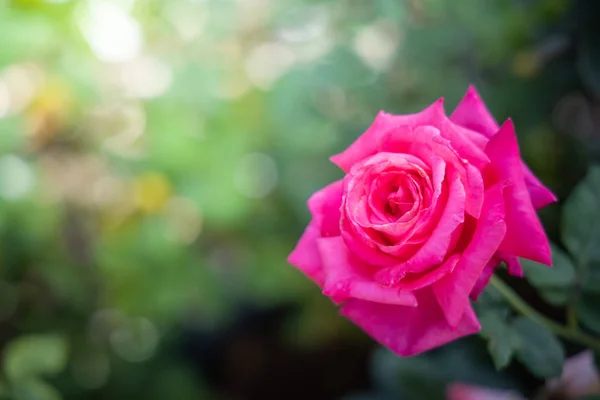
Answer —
35 389
28 356
553 283
556 296
591 283
588 312
502 340
561 274
539 350
427 375
581 219
490 300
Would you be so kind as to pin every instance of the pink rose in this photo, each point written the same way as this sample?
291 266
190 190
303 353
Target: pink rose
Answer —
428 208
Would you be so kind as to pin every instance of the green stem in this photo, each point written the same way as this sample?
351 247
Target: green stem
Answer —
519 305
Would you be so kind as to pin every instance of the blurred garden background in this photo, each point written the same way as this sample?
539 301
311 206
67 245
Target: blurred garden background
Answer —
156 157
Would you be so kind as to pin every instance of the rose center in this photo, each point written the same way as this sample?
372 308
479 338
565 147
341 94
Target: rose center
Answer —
400 202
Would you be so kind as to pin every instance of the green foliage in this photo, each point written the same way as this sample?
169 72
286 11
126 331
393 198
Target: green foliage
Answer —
569 284
581 219
553 284
587 310
581 235
539 349
428 375
503 339
29 356
34 389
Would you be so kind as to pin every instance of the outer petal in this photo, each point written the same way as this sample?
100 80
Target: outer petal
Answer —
365 145
525 236
347 277
325 205
408 331
453 291
512 263
541 196
434 115
472 113
306 256
484 279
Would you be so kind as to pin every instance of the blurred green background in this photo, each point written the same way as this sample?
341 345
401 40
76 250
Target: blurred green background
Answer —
156 157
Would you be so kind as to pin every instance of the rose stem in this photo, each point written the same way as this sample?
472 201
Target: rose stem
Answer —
519 305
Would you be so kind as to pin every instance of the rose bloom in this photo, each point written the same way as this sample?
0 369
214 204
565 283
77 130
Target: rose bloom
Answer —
429 206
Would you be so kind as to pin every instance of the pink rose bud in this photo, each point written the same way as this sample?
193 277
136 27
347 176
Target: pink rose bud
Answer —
429 206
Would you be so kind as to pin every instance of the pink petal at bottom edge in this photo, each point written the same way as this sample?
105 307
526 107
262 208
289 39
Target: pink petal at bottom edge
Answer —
460 391
306 256
580 377
408 331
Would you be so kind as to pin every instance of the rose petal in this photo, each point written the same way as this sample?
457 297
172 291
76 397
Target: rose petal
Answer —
512 263
453 291
473 114
484 279
580 377
306 256
363 246
347 277
541 196
365 145
435 116
421 280
525 236
359 184
459 391
436 247
428 143
408 331
476 189
324 206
